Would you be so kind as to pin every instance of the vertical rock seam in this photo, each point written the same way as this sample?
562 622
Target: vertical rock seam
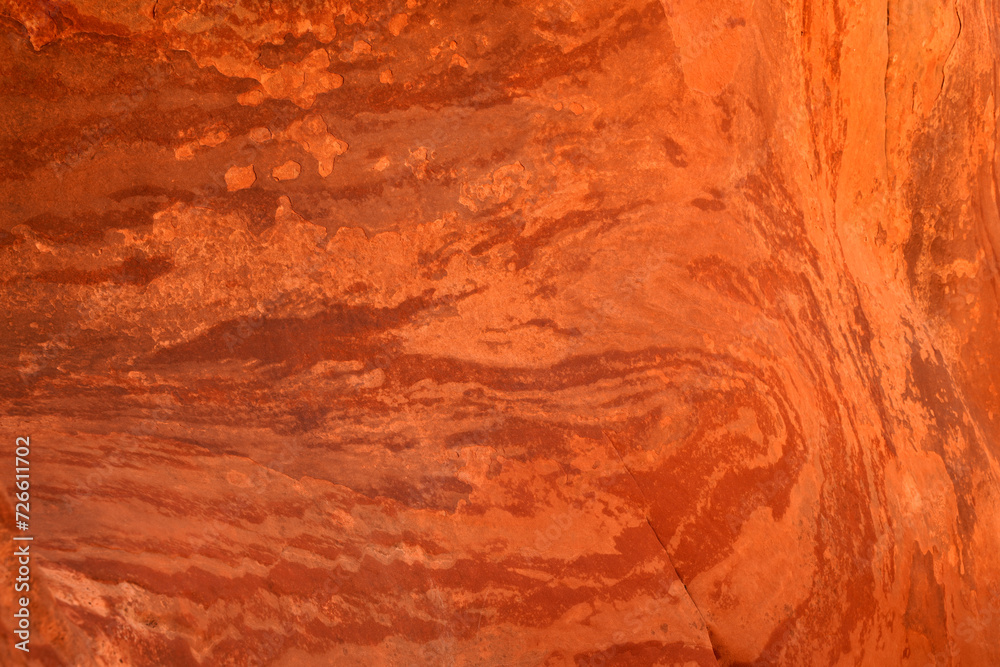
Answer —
564 332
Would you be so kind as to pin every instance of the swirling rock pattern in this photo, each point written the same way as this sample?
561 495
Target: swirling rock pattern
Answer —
562 332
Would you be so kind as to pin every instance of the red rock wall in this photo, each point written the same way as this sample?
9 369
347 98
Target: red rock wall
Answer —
514 333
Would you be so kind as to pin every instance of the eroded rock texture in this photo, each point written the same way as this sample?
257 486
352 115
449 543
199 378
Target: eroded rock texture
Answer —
555 332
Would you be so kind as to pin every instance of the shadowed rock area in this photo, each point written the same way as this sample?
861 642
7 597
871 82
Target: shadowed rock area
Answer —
514 333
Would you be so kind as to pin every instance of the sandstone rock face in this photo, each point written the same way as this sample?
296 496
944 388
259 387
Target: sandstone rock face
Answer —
584 333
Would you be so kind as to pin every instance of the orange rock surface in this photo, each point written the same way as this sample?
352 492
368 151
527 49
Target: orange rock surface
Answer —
563 332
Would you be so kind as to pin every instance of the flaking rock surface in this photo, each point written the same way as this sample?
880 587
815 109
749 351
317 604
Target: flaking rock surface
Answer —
555 332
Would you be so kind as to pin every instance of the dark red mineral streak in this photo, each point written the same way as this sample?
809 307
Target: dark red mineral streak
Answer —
548 332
